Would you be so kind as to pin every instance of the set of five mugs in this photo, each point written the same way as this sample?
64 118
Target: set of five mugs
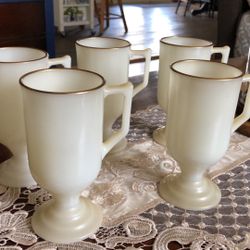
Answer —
63 123
109 57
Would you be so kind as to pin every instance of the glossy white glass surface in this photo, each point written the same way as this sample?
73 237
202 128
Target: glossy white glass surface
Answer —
110 58
203 96
63 111
177 48
15 62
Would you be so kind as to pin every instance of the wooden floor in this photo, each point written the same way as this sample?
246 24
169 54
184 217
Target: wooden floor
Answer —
147 24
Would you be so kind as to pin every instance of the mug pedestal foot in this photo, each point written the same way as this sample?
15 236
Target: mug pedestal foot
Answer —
119 147
159 136
67 226
13 175
196 196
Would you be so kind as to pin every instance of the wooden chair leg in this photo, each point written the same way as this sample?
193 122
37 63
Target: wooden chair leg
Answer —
211 8
187 6
97 12
107 13
178 5
102 15
123 16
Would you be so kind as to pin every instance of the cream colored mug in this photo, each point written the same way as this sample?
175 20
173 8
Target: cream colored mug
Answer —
176 48
203 97
14 62
110 58
63 113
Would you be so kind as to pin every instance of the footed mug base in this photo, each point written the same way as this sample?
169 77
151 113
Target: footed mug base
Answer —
67 226
119 147
195 196
13 175
159 136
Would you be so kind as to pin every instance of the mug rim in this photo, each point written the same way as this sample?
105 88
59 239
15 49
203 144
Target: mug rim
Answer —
105 37
206 78
62 93
210 43
45 54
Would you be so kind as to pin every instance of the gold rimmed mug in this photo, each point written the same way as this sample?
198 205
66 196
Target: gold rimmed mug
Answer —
110 57
203 97
15 62
175 48
63 113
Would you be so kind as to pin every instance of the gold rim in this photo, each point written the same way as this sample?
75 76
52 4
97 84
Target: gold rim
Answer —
206 78
21 81
25 61
186 46
103 37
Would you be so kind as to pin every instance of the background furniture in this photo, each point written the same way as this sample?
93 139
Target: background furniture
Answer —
229 16
102 10
73 13
27 23
188 4
208 6
205 6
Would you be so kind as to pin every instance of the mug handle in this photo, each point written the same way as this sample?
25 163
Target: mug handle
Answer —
245 115
146 53
224 51
126 90
64 60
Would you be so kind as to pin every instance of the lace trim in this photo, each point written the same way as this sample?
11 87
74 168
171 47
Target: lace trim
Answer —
8 196
133 177
195 238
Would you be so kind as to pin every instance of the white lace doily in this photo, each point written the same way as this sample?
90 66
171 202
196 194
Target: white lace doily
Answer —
135 216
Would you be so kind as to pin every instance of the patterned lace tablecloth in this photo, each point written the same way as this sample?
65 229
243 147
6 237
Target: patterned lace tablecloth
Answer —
135 217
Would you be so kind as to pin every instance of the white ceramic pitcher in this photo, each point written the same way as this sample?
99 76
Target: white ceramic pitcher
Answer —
175 48
110 58
14 62
63 110
203 96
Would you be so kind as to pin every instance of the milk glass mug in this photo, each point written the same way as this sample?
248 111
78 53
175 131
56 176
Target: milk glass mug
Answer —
110 58
203 96
63 112
176 48
14 62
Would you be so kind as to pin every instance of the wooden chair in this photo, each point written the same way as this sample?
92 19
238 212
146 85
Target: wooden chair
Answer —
188 4
103 14
205 6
